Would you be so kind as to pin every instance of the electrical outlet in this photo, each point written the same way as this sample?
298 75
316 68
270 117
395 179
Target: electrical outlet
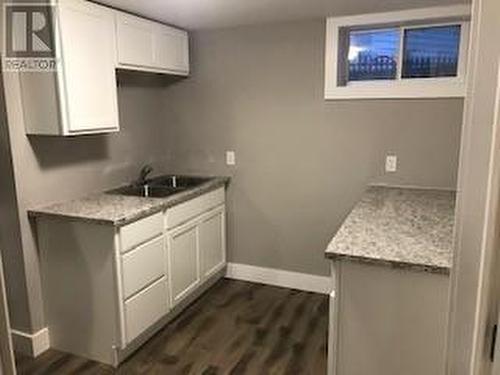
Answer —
230 158
391 163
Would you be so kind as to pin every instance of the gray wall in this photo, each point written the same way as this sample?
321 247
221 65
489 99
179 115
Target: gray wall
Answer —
302 162
49 169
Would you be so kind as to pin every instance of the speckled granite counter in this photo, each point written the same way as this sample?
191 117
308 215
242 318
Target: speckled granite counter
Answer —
115 209
399 227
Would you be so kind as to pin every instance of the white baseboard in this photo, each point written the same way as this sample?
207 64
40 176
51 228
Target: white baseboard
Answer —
276 277
31 344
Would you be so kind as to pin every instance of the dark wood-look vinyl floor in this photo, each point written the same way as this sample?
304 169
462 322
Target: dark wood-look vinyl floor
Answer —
234 328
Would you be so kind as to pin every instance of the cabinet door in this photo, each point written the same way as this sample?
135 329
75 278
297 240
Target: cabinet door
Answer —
171 50
134 41
87 82
183 261
212 242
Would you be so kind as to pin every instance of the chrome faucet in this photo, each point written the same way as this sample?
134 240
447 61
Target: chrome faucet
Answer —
145 171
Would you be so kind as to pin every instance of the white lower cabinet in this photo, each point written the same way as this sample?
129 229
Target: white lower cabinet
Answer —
183 261
191 249
108 289
196 250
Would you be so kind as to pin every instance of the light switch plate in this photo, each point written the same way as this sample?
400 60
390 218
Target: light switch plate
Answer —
230 158
391 163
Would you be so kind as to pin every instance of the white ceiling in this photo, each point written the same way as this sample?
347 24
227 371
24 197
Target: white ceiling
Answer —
209 14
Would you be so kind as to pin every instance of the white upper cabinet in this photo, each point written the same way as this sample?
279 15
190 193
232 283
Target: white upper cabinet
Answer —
80 97
89 83
150 46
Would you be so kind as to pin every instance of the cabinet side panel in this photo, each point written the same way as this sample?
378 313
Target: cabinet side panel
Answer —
391 321
40 103
79 287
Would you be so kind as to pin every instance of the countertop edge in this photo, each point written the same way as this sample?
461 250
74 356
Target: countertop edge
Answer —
217 182
424 267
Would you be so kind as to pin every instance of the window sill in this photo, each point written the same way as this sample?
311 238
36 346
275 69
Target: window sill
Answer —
396 91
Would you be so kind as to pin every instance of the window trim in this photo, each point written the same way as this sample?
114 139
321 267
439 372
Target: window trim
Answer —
398 88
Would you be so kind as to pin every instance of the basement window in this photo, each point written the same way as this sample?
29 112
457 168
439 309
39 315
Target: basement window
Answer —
419 53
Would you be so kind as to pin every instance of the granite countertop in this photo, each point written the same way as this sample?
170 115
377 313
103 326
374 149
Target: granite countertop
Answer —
115 209
399 227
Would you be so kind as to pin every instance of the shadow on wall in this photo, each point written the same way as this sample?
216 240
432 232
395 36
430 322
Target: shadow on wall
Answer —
145 79
137 106
48 150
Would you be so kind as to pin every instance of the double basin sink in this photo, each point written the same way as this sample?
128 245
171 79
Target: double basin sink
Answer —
161 187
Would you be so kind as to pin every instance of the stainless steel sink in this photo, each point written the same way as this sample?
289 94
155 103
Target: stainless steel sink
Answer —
178 181
145 191
161 187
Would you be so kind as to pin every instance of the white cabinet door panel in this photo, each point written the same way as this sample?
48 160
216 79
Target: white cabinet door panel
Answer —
171 50
183 261
88 82
135 41
212 242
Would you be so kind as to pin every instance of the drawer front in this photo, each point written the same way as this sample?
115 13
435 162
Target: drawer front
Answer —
141 231
183 212
145 309
143 265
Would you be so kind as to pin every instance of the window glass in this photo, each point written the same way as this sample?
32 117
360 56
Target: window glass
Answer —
373 54
431 52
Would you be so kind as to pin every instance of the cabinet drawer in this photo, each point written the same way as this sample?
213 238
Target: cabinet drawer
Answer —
141 231
187 210
145 309
142 266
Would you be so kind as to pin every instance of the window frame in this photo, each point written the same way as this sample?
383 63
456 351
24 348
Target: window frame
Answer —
337 87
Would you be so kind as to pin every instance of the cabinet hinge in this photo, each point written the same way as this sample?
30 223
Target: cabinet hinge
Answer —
493 342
